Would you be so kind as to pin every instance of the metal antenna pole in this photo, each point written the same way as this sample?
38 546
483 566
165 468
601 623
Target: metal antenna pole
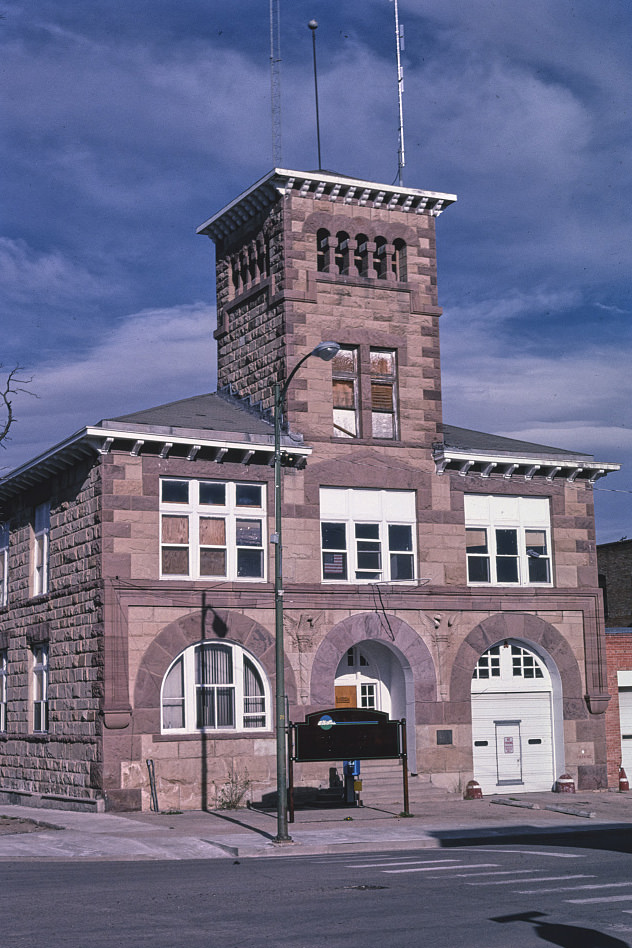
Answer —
399 45
275 79
313 25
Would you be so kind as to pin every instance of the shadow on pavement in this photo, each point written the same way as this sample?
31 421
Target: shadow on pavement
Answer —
616 837
566 936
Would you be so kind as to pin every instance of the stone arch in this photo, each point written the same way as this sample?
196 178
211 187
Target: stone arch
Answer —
418 668
523 627
392 632
219 625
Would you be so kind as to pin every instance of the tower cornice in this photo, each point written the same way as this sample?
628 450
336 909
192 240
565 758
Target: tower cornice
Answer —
322 185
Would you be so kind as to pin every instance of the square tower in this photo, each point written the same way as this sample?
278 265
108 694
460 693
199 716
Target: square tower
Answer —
305 257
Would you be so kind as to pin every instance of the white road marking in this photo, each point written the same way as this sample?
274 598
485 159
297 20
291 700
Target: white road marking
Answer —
505 872
543 879
480 865
411 862
531 852
609 898
576 888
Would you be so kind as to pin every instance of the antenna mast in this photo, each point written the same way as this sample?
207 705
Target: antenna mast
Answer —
399 46
275 79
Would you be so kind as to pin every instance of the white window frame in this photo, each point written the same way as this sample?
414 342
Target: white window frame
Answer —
235 515
497 514
3 690
366 516
41 549
39 684
4 564
250 717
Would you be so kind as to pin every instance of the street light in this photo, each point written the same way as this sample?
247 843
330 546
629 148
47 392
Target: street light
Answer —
325 351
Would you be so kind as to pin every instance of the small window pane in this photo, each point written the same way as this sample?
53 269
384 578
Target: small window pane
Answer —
344 393
174 682
535 542
382 396
539 570
507 542
248 532
212 562
382 425
335 565
382 363
401 566
367 531
248 495
345 423
476 540
249 563
175 561
212 495
175 529
506 569
400 537
478 569
334 536
344 361
175 492
213 531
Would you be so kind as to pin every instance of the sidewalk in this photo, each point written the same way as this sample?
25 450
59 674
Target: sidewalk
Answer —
28 833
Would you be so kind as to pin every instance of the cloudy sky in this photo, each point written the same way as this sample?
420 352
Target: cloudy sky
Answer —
128 123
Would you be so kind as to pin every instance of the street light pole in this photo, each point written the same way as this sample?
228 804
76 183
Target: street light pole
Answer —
325 351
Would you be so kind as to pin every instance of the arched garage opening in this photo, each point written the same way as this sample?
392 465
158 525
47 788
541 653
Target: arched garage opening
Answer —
517 734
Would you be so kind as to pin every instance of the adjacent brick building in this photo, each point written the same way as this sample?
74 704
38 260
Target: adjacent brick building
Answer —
442 575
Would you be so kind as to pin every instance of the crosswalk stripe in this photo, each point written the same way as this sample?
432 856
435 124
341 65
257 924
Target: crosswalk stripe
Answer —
542 879
576 888
411 862
480 865
608 898
504 872
533 852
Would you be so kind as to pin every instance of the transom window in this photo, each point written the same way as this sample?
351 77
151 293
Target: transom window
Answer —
367 535
212 529
4 563
509 661
215 686
508 540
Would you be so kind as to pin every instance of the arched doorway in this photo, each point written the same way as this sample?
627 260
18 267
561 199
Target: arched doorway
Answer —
370 676
516 719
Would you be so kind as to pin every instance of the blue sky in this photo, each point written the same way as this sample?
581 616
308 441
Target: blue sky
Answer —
128 123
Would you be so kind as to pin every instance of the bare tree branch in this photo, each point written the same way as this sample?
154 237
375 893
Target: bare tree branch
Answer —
14 385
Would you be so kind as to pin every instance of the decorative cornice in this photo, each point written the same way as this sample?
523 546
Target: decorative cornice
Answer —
321 185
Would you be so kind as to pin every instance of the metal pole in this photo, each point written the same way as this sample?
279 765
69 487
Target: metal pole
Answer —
325 351
282 832
313 25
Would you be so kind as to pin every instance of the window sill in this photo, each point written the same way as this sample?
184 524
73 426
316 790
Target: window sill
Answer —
170 736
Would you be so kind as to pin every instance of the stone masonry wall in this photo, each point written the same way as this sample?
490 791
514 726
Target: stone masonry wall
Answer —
65 761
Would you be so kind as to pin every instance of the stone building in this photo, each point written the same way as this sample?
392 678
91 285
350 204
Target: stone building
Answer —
441 575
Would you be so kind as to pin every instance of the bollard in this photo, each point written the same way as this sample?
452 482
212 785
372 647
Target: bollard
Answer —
565 784
473 791
623 781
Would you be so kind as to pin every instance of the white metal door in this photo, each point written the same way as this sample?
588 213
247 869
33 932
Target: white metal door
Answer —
508 753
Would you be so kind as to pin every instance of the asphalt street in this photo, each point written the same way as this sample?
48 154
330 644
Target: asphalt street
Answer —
484 896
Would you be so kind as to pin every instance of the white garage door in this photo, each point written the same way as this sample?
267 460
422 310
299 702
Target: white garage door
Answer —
513 746
512 726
